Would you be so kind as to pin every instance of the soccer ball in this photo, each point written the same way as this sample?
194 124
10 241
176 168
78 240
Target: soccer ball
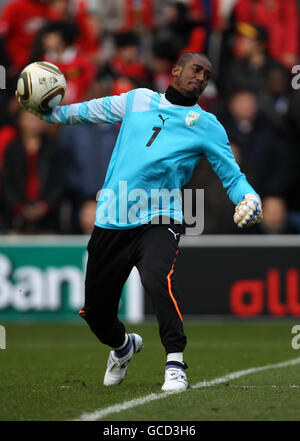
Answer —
41 86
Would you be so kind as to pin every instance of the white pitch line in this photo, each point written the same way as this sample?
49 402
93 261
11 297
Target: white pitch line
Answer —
101 413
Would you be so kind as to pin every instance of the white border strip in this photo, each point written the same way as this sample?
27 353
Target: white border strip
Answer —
42 240
240 240
101 413
209 240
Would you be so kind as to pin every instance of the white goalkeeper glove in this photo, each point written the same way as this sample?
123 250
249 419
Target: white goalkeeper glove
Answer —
248 212
29 109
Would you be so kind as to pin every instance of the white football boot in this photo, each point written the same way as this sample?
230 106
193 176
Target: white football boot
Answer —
175 380
117 367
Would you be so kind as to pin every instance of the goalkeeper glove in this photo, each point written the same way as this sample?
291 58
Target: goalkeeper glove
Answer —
29 109
248 212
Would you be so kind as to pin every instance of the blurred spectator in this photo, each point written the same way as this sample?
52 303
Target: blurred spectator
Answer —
126 63
8 132
122 85
177 28
225 8
253 65
164 56
32 179
62 7
265 159
275 100
86 153
128 15
8 115
281 20
55 43
211 12
210 98
87 216
293 121
89 25
257 70
91 31
293 112
20 20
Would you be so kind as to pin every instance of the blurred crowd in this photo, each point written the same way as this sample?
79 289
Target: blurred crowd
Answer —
50 175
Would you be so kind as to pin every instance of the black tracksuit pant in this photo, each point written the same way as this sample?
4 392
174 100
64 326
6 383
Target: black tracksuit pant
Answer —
111 256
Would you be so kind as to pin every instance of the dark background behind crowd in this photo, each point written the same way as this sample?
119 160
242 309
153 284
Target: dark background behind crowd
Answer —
50 175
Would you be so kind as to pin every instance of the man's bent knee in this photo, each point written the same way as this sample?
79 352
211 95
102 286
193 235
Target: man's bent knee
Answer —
110 331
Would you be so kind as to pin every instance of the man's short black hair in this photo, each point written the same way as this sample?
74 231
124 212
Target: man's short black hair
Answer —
184 58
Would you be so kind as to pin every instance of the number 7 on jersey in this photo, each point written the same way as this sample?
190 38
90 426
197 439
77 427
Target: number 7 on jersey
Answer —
156 132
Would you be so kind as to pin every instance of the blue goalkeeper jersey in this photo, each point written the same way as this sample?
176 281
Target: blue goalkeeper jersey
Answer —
158 146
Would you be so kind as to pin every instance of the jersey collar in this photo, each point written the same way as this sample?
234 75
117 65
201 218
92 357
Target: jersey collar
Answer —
175 97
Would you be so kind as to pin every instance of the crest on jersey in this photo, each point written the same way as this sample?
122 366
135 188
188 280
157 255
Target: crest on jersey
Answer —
192 118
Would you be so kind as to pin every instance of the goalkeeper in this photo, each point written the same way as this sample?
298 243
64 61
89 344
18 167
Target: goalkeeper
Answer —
162 138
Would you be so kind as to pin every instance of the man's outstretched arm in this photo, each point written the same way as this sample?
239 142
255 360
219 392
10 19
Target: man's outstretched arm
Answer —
110 109
248 210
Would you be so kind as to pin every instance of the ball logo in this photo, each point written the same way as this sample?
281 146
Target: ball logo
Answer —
51 81
192 118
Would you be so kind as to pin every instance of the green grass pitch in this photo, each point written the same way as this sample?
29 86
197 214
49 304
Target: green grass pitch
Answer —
55 372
